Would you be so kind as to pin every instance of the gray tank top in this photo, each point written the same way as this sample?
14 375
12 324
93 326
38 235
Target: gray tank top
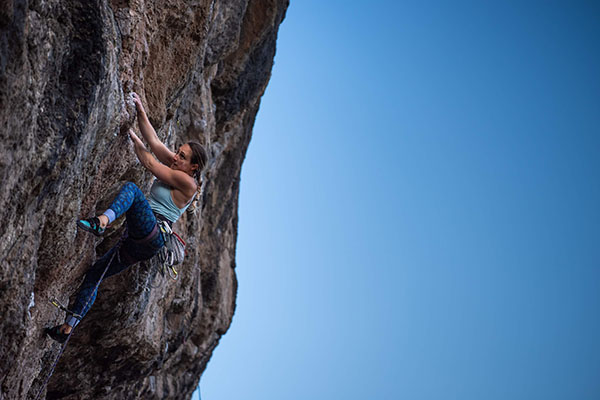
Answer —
161 201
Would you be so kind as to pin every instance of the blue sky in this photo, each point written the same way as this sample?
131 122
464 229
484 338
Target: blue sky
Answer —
419 207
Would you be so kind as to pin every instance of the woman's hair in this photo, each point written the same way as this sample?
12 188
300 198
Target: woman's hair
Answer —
198 157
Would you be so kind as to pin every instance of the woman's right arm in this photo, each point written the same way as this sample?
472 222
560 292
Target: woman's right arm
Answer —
161 151
174 178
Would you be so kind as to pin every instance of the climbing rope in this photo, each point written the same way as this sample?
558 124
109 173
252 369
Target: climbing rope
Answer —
60 353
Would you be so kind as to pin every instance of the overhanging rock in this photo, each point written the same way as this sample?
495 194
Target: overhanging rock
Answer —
66 70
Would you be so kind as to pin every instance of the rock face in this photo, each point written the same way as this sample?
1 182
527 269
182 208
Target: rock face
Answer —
66 72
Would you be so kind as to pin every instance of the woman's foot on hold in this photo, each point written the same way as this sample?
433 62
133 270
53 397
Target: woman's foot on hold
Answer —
60 333
96 225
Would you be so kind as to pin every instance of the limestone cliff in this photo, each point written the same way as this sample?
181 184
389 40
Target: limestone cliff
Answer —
66 70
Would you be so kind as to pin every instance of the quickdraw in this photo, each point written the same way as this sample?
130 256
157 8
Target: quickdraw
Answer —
58 305
172 272
173 251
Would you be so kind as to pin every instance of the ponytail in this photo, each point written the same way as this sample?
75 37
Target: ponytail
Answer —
200 158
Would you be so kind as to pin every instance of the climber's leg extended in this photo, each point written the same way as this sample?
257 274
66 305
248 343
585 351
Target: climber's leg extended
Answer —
107 265
130 252
87 291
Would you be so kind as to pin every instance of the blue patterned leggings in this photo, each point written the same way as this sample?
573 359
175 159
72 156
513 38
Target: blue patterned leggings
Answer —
136 246
140 218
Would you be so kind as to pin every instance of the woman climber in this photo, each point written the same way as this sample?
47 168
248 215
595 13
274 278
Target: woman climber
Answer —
177 180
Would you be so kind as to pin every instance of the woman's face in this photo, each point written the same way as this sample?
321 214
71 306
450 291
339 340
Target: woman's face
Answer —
181 161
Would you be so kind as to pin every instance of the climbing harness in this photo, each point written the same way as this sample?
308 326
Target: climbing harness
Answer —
157 262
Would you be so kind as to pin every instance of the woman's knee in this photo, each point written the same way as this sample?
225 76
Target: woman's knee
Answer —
130 186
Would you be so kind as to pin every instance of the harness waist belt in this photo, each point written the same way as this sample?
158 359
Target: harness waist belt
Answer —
161 217
148 238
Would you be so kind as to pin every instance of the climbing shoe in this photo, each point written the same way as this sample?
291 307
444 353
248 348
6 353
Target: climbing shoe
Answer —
91 225
56 334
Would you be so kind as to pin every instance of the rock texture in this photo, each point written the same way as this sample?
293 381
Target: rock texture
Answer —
66 70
